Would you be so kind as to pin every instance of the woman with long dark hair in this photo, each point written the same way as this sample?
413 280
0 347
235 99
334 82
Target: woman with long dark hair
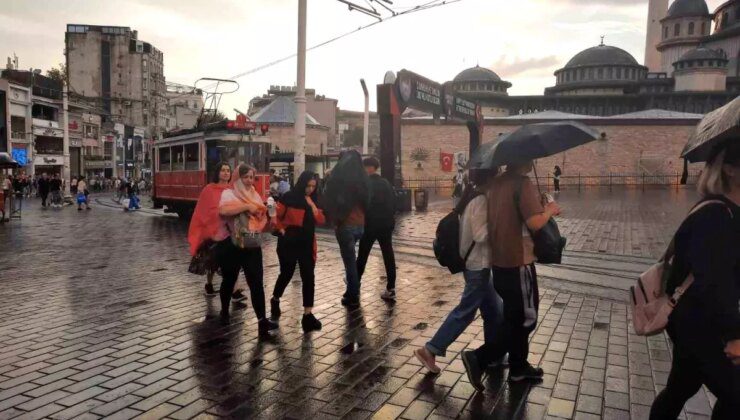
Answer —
705 324
245 216
296 220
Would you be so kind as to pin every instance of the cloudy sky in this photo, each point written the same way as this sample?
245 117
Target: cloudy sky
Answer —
524 41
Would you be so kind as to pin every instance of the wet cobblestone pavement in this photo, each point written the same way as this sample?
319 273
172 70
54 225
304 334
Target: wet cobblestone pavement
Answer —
99 319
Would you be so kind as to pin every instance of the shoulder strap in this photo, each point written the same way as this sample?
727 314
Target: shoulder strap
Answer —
671 250
518 198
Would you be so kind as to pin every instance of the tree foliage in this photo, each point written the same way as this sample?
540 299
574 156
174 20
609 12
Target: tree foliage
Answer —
209 118
58 73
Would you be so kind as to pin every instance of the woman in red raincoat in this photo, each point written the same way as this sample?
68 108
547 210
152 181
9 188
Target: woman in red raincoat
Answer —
207 228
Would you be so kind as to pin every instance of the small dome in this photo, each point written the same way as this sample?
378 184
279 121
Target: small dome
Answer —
702 53
477 74
687 8
602 55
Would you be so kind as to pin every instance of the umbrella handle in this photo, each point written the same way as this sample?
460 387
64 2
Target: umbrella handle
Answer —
536 178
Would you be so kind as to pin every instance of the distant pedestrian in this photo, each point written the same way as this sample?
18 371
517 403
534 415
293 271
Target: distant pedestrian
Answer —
704 327
514 210
82 194
55 190
7 190
274 186
283 186
296 219
73 186
132 191
246 218
556 174
479 293
346 200
44 187
19 184
380 220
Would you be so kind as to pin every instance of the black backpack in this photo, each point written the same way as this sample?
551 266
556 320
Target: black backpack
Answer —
447 240
548 243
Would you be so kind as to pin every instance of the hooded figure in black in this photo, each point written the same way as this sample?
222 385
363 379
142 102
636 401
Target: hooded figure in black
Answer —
295 221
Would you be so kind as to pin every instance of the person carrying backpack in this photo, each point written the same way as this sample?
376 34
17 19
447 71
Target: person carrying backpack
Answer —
704 325
514 210
379 224
474 253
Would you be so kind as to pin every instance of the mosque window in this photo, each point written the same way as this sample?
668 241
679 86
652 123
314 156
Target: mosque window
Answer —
703 28
677 29
665 32
601 73
691 28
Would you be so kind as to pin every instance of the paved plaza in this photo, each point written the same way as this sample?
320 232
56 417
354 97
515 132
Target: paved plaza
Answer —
100 319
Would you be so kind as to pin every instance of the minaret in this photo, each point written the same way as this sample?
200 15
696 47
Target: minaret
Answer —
657 10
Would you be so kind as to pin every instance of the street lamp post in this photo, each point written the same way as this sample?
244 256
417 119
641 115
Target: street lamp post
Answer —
299 154
366 122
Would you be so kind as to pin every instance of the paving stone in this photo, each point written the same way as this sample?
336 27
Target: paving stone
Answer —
589 404
560 408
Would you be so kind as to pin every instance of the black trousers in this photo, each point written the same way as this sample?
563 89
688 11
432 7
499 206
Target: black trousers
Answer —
557 184
698 362
520 294
291 252
44 196
232 260
385 239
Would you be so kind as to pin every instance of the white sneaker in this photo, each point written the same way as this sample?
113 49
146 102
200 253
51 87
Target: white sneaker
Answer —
389 295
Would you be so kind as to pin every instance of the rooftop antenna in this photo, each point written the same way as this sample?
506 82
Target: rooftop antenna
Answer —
602 41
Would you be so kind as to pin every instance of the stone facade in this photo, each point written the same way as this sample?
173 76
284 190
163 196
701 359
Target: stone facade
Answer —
283 137
629 147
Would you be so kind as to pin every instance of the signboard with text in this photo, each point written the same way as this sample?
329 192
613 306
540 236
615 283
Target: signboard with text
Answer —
420 93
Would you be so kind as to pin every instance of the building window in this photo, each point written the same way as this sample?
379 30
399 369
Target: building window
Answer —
665 32
703 28
600 73
677 30
691 28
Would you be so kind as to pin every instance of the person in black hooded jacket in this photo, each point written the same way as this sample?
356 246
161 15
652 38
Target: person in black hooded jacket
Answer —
705 324
295 221
380 220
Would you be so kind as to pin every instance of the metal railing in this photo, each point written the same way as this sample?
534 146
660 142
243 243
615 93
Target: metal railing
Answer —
580 181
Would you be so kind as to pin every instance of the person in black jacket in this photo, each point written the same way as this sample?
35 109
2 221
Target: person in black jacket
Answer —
379 224
44 186
705 324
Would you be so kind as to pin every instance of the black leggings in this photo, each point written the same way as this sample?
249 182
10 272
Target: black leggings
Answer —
519 292
232 260
291 252
385 239
702 362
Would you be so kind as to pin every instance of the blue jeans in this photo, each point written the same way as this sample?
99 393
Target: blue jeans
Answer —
478 294
347 238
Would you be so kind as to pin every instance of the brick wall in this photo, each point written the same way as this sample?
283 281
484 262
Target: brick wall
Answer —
630 149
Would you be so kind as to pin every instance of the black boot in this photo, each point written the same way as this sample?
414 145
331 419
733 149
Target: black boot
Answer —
275 308
265 326
224 316
310 323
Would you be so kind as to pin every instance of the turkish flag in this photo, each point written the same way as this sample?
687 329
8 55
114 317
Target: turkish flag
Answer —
446 160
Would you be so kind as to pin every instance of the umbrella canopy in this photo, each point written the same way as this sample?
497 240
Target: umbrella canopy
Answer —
716 127
532 142
7 162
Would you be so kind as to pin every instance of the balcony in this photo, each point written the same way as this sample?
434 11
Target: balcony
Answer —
17 135
40 122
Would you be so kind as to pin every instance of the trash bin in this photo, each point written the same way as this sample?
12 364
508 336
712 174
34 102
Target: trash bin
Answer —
421 199
403 199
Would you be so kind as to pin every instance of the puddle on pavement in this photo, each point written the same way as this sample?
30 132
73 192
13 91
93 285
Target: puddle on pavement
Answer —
601 325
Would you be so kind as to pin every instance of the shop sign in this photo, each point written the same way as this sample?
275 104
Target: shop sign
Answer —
98 164
48 160
75 143
48 132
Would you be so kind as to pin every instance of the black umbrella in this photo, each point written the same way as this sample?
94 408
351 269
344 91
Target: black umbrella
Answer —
536 141
7 162
716 127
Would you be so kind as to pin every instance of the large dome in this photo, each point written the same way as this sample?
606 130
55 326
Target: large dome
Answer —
686 8
477 74
702 53
602 55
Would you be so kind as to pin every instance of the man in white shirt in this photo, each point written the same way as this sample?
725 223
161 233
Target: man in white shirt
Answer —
478 292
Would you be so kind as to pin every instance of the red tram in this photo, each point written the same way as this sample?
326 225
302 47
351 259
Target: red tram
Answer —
185 161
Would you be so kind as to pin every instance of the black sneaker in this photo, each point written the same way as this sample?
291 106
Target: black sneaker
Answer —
526 372
502 361
275 308
224 316
265 326
389 295
472 368
210 291
310 323
350 302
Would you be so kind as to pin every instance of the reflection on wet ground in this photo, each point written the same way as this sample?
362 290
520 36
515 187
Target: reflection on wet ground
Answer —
98 317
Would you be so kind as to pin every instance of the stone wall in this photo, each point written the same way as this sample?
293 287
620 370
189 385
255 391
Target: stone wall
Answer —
633 149
283 136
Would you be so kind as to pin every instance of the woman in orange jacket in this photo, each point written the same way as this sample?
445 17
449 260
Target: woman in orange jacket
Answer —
297 218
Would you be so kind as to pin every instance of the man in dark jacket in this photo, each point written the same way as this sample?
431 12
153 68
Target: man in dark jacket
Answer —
44 187
379 224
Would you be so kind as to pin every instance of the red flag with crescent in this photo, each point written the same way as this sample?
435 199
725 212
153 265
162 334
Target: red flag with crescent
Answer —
446 160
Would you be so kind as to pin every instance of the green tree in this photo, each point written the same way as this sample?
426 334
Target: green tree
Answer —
209 118
58 73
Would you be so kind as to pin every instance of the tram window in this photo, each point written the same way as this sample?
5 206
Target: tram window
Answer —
177 158
164 159
191 157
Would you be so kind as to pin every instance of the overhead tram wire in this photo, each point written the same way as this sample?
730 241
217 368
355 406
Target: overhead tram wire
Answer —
426 6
